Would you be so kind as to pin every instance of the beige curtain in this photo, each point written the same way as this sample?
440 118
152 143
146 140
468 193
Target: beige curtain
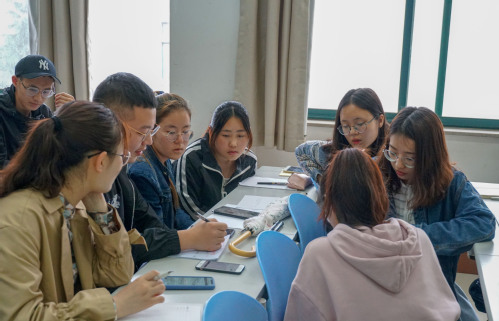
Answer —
272 69
61 36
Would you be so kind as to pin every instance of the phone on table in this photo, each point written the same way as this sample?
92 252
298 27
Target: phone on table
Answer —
234 212
224 267
189 282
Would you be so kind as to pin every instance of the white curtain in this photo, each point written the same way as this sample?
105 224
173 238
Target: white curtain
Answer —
61 35
272 69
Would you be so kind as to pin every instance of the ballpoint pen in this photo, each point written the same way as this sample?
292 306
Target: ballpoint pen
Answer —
161 276
272 183
277 226
202 217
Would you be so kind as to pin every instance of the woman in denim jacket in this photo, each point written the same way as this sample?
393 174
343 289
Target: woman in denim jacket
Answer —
360 122
427 191
153 171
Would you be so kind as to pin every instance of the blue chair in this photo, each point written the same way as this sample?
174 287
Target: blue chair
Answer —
279 257
305 213
233 305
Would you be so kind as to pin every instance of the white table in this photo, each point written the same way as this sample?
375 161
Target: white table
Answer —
251 280
487 261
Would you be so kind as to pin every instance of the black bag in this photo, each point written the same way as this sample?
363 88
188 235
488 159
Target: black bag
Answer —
476 294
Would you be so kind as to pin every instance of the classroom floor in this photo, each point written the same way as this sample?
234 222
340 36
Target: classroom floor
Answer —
464 280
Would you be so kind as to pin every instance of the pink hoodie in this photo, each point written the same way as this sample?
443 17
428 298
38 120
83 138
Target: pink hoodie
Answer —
388 272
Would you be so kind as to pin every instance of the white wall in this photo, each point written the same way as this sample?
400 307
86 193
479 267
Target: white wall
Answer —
203 55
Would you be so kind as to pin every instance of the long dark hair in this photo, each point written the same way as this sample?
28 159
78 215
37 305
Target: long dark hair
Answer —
222 114
433 171
364 98
58 144
167 103
354 190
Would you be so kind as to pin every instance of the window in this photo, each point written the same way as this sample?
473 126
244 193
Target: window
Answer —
14 37
432 53
138 41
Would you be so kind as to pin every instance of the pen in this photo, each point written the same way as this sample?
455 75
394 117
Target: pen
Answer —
277 226
162 275
202 217
272 183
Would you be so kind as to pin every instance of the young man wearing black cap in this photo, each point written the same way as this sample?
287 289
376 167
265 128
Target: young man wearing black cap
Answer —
23 102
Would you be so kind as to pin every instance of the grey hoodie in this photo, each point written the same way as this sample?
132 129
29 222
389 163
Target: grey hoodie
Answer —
388 272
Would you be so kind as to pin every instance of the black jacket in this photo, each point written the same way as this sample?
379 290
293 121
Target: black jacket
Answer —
14 125
135 212
199 179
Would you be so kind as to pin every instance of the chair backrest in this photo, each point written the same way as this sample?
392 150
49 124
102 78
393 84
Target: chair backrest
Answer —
305 213
279 257
233 305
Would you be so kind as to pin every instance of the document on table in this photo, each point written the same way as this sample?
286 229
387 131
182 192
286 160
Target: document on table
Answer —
169 312
276 183
204 255
487 190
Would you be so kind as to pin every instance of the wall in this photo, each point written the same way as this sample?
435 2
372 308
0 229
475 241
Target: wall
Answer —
203 55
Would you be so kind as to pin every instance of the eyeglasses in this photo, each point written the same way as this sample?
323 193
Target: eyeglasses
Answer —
173 136
124 157
151 132
408 162
33 91
359 128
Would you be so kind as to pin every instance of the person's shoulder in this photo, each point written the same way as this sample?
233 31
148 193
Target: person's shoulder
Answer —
23 205
140 167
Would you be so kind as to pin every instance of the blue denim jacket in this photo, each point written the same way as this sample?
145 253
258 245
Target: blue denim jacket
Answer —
455 223
312 157
151 178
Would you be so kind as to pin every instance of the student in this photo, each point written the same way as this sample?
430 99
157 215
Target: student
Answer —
360 122
153 171
427 191
213 165
133 101
23 102
367 268
60 240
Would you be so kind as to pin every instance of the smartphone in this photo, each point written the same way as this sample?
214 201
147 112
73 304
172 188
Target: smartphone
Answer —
235 212
224 267
189 282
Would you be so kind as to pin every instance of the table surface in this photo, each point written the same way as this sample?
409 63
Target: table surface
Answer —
250 281
487 261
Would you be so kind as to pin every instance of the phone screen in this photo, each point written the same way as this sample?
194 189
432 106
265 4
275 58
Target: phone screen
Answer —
221 267
187 280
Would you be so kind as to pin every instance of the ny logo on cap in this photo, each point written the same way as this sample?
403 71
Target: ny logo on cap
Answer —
43 64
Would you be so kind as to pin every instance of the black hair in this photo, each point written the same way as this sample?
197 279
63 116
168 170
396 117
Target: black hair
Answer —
58 144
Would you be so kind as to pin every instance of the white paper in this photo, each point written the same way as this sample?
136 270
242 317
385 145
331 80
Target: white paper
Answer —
486 190
256 203
253 182
204 255
169 312
232 222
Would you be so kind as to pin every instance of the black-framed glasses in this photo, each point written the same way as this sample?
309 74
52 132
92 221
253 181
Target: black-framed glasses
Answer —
33 91
359 128
124 157
151 132
408 162
172 136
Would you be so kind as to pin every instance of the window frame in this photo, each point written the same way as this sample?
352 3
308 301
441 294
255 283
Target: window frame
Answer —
478 123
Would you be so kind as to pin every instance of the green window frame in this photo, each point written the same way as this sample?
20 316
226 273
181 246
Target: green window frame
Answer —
329 114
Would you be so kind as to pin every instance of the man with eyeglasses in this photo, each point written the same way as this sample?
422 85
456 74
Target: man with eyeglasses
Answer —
23 102
133 101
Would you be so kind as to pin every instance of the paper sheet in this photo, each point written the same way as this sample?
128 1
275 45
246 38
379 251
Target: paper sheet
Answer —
487 190
204 255
253 182
169 312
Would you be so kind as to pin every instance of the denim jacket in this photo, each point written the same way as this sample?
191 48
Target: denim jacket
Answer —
312 157
151 178
454 223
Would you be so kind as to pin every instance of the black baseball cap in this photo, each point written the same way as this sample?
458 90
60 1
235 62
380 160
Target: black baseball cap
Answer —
34 66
